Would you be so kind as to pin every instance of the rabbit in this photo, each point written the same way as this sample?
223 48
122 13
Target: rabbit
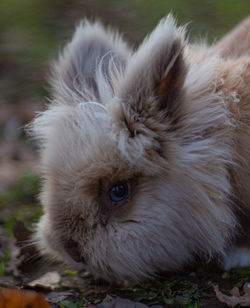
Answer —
145 154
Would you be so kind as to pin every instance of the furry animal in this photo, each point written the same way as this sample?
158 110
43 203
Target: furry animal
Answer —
146 154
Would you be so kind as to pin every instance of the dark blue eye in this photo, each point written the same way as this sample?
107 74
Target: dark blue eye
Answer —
118 192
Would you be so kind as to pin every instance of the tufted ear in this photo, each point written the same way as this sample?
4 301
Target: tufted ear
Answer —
90 64
152 87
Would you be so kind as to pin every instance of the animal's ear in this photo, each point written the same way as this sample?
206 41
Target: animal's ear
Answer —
90 64
154 78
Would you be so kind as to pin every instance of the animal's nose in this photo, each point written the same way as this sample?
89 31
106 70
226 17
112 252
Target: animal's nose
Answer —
73 250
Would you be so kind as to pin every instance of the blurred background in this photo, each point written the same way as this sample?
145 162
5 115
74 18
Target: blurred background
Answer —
31 34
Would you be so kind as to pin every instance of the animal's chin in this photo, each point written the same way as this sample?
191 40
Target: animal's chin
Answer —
75 263
71 248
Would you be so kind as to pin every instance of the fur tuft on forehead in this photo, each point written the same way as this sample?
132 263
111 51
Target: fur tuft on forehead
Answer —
85 136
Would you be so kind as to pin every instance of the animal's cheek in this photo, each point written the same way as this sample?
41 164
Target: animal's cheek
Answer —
50 237
45 237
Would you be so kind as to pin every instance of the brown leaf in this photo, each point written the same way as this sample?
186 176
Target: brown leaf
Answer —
246 288
235 298
231 301
235 292
49 281
12 298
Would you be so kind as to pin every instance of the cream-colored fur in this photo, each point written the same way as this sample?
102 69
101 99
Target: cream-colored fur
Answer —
172 121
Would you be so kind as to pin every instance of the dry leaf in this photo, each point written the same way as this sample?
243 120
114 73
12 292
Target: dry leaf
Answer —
55 297
235 292
235 298
12 298
49 281
246 288
229 300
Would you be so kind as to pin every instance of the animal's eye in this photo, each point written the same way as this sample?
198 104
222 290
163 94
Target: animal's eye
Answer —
118 192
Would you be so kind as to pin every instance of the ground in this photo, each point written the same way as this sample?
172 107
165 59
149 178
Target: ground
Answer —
31 33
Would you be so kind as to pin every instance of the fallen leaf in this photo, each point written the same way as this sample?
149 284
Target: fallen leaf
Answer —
229 300
235 298
57 297
246 288
12 298
49 281
235 292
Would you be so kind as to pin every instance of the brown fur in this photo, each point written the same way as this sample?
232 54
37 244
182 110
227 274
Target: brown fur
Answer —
171 122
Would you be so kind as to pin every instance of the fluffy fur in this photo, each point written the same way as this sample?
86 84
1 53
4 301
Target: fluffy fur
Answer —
172 120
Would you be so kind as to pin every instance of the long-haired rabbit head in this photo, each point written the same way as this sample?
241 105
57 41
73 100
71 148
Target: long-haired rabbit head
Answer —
125 193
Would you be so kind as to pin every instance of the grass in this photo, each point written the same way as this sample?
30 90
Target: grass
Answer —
24 190
16 201
179 291
239 276
33 31
70 272
68 304
3 262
